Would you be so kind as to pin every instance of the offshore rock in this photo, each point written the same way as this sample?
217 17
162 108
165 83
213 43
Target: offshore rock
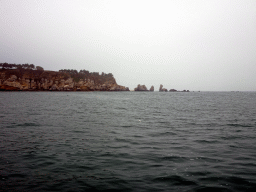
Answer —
141 88
161 89
151 88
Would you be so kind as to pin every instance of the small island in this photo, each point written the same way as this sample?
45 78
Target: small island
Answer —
28 77
161 89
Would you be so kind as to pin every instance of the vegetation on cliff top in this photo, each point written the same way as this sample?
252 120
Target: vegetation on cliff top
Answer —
37 72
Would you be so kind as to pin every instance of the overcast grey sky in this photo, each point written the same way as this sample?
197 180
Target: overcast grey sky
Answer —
207 45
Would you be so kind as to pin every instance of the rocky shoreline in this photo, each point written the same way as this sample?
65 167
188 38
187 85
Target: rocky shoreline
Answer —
27 79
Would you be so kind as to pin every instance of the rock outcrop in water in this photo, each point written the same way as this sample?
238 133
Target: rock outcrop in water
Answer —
29 79
151 88
141 88
161 89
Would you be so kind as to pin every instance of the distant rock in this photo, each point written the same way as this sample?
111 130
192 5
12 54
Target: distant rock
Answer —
141 88
173 90
119 88
161 89
151 88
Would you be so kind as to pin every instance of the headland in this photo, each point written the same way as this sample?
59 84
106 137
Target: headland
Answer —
28 77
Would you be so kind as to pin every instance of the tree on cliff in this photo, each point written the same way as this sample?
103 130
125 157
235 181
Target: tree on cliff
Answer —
5 65
25 66
18 66
32 66
39 68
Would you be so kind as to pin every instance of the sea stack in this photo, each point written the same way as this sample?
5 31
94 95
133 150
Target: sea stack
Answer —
141 88
161 89
151 88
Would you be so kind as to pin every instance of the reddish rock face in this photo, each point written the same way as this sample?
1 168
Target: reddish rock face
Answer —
8 88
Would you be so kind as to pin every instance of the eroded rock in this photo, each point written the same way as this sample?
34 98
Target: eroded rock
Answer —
161 89
141 88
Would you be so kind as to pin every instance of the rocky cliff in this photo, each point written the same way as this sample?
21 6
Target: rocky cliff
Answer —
63 80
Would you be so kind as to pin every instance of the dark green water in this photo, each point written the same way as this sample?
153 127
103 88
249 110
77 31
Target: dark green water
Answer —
127 141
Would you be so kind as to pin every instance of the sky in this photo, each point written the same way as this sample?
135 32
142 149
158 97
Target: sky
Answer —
195 45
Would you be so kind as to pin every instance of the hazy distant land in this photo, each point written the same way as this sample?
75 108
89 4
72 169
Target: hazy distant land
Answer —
28 77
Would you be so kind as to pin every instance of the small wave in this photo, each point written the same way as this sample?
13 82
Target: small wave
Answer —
236 183
198 173
210 160
126 126
28 124
121 140
239 125
174 158
168 133
207 141
249 165
15 175
175 180
206 188
138 136
14 125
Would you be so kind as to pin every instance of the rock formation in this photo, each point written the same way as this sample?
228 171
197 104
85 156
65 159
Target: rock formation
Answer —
141 88
162 89
37 80
151 88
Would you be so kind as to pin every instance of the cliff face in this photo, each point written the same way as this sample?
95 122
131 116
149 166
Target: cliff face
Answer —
22 80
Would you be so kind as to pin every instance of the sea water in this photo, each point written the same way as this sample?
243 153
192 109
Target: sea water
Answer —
128 141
